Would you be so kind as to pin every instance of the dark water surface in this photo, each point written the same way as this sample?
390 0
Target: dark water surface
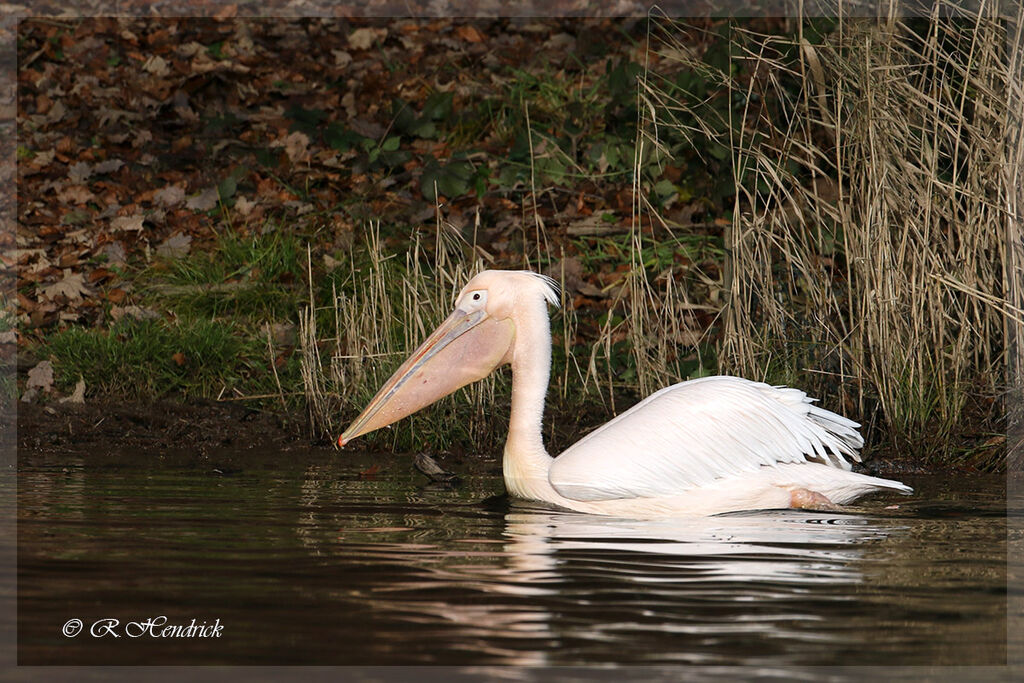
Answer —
307 558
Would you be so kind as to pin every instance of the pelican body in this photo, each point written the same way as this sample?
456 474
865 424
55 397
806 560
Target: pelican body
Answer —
701 447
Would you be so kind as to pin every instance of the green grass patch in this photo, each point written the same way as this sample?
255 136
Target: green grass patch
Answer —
252 277
211 337
8 382
149 358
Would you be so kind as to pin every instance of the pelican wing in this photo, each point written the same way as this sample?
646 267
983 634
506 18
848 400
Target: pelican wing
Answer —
691 434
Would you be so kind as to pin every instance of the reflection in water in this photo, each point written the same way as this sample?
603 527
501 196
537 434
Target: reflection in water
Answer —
791 546
567 578
311 560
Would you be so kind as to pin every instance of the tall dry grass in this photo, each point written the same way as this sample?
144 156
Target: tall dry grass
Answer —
393 303
878 173
350 344
1014 173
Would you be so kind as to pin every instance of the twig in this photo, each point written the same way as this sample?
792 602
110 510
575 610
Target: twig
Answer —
216 288
257 396
596 230
273 366
425 464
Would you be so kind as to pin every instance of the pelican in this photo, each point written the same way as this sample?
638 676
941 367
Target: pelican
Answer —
700 447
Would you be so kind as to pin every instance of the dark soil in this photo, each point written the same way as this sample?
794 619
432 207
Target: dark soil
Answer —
222 438
154 428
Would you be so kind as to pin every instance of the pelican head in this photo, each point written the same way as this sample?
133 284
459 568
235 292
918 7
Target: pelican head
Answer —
478 337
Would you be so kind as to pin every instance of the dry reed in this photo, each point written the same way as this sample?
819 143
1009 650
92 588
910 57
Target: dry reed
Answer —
393 304
877 175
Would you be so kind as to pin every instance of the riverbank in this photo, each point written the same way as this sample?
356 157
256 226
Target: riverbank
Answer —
298 202
151 430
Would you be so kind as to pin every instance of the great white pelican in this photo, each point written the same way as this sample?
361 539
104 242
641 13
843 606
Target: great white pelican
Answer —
700 447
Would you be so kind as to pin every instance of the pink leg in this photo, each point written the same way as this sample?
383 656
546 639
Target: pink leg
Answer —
810 500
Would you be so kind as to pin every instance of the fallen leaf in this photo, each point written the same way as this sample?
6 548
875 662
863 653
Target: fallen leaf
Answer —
108 166
244 206
204 201
26 303
370 471
227 12
78 395
348 101
75 194
109 116
296 146
170 195
114 252
179 358
72 286
190 49
341 58
99 275
182 106
283 334
79 172
41 376
77 217
428 466
56 113
364 38
157 66
368 129
560 41
469 33
43 104
43 159
175 246
133 222
136 312
142 137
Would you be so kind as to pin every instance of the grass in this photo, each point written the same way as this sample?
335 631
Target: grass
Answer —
151 358
252 277
8 322
204 329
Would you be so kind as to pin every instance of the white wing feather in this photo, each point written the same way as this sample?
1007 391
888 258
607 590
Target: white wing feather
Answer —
693 433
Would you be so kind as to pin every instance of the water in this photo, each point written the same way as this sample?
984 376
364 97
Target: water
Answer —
315 558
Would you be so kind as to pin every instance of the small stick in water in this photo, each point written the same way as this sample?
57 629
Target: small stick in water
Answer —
428 466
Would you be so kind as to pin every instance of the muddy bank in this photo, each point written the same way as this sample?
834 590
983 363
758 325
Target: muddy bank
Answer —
207 427
155 427
225 438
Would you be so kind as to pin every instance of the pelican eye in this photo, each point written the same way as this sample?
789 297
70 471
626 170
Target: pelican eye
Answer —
474 301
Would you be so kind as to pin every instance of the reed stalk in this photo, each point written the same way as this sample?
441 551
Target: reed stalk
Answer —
877 172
